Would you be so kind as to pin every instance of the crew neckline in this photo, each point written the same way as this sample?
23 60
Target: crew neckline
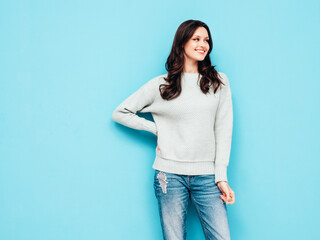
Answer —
190 73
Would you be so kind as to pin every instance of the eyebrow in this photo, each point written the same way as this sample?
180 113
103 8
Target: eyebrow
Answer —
199 36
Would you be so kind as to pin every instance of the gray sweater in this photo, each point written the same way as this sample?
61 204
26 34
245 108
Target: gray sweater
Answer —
194 130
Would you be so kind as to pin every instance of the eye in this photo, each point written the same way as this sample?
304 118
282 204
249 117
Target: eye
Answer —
198 39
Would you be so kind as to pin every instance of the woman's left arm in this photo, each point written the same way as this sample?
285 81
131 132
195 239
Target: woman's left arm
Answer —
223 130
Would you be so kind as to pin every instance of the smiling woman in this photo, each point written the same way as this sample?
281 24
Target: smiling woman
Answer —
193 119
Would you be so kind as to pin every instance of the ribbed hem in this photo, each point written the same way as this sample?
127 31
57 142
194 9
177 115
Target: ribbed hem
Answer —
185 168
221 173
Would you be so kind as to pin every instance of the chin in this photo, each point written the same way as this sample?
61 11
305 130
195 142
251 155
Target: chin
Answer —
199 59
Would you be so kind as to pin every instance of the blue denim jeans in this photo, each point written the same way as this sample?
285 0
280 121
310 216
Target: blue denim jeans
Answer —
173 191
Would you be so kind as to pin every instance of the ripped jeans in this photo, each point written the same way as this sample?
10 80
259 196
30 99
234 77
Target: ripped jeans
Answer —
173 191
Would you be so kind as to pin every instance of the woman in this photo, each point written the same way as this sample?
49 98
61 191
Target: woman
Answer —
193 119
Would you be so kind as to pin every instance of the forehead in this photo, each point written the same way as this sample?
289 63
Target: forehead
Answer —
201 32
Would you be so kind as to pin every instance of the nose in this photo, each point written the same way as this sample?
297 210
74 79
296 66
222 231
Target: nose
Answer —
202 44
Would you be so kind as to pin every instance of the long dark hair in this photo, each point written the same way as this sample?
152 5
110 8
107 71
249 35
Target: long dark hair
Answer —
175 62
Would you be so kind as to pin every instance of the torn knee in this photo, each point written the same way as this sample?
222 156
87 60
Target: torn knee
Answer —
163 183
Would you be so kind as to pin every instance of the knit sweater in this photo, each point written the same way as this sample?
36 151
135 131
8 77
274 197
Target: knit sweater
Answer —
194 130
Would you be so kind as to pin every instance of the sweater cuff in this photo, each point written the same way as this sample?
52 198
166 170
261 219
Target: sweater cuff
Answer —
150 126
220 173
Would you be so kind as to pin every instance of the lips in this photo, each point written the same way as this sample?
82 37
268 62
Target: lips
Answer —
201 51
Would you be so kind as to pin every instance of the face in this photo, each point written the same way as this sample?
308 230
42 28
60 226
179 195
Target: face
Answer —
197 47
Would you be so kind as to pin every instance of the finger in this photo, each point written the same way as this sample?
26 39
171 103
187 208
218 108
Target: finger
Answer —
232 197
223 198
228 196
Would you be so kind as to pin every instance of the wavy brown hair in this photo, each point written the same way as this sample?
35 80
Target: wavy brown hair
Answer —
175 62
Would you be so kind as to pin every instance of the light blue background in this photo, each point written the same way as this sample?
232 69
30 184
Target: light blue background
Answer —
67 171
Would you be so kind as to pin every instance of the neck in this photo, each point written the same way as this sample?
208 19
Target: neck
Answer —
190 66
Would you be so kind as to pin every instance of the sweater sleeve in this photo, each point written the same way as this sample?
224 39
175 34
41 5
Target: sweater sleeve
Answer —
223 130
125 113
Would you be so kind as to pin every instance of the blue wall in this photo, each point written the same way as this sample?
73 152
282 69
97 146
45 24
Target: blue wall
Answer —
67 171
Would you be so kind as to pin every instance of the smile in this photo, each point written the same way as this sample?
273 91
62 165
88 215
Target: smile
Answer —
200 51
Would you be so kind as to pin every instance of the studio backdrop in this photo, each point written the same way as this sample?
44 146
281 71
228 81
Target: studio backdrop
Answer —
68 172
